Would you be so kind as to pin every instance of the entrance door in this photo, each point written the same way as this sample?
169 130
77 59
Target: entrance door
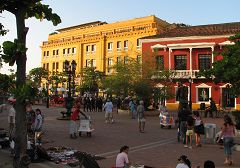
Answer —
228 100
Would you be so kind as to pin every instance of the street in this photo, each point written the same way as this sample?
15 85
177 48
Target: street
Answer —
156 147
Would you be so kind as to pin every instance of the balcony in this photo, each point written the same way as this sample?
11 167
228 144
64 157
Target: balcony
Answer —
186 73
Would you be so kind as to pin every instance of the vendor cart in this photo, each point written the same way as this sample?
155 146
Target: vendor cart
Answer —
166 120
85 126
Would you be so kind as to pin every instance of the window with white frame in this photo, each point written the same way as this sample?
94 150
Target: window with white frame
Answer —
110 46
138 44
88 63
110 62
94 48
88 48
118 45
68 50
125 44
204 61
74 50
180 62
126 60
94 63
203 93
118 59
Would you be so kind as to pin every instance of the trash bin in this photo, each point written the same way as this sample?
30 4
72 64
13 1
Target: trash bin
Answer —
210 132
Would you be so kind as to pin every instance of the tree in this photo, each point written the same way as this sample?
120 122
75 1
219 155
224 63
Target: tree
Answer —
227 69
124 76
91 80
36 75
15 52
7 83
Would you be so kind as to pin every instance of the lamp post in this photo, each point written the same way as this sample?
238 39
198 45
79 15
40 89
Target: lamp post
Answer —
190 93
70 70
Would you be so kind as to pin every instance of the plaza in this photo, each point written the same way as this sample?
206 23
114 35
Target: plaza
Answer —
156 147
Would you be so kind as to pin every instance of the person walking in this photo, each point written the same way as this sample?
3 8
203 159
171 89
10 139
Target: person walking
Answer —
108 107
122 160
189 133
38 121
73 118
198 128
228 133
132 107
11 119
141 117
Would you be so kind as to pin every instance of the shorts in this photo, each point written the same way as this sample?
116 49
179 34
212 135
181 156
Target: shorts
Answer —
108 115
189 132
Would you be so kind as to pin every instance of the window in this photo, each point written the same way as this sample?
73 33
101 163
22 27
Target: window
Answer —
53 52
139 58
203 94
125 59
159 62
44 66
44 53
110 46
47 53
47 68
88 63
64 51
180 62
118 59
56 52
125 45
94 48
138 44
68 50
118 45
74 50
110 62
204 61
56 65
94 63
53 65
88 48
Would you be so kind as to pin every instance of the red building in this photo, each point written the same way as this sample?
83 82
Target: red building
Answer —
186 50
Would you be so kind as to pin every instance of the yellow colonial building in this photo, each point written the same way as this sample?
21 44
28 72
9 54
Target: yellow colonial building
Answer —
98 44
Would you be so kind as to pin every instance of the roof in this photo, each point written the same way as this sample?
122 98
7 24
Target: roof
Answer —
201 30
95 23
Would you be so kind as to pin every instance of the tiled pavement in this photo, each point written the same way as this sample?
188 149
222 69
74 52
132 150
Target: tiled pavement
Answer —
156 147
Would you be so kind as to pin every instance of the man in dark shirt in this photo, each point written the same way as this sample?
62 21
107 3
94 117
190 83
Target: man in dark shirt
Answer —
212 108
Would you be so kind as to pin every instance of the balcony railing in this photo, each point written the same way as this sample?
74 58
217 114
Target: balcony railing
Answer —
186 73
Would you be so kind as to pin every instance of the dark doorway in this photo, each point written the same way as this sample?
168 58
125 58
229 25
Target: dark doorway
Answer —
228 100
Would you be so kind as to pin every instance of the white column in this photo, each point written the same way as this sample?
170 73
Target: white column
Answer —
190 50
169 58
212 54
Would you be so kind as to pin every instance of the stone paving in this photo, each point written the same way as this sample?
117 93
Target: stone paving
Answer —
156 147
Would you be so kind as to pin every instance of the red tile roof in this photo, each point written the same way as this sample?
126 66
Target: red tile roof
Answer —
201 30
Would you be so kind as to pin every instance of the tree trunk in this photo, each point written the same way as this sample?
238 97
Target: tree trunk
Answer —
20 159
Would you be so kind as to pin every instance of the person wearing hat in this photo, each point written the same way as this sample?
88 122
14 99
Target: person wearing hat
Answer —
184 162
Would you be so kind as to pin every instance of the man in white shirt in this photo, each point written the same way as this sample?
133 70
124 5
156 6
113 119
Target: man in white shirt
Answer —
108 107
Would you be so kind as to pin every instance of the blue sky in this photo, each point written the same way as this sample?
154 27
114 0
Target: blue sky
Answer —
75 12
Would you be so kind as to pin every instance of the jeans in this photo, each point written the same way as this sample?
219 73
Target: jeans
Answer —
228 144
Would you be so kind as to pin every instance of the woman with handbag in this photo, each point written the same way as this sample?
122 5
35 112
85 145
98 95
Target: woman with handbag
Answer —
198 128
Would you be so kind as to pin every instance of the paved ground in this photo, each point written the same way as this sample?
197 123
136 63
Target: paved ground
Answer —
156 147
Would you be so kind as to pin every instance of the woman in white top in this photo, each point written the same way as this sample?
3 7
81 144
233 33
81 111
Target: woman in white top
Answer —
122 158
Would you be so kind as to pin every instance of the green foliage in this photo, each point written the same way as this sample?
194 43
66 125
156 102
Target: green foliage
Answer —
7 83
227 70
36 75
25 92
91 80
143 89
12 51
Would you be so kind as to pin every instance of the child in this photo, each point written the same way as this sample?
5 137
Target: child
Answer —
189 133
198 128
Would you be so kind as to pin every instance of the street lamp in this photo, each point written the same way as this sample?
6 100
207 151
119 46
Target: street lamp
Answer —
70 70
190 80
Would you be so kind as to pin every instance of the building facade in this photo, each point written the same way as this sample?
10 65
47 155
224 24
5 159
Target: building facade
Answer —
186 51
98 44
